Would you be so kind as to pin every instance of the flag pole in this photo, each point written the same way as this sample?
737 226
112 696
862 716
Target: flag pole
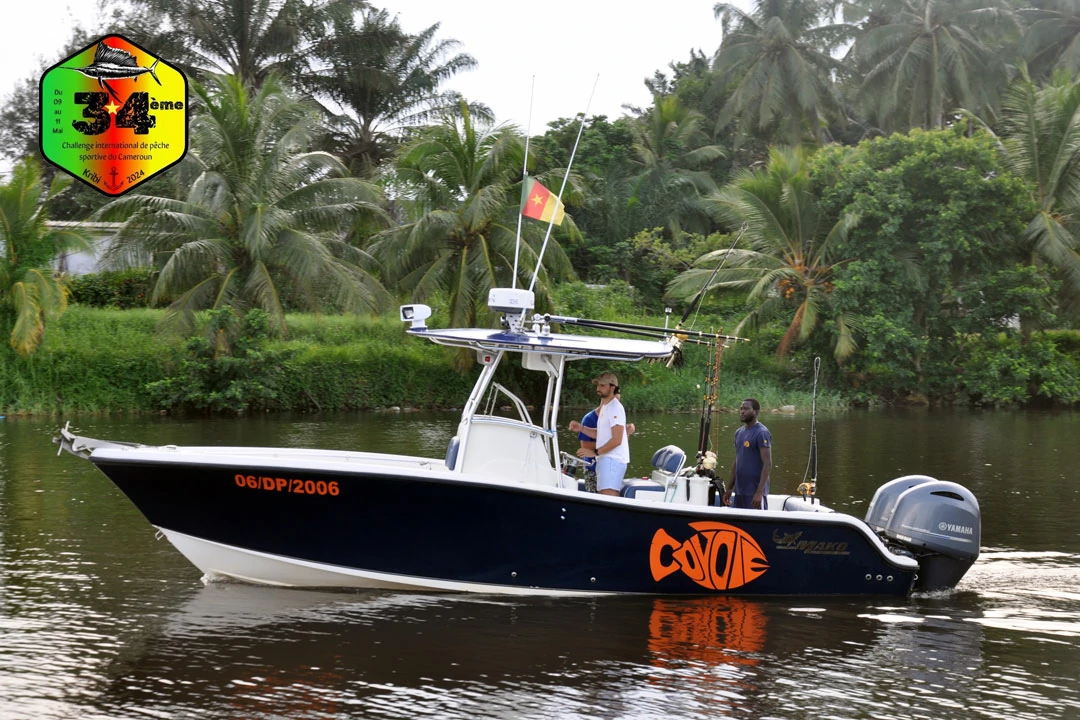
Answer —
524 180
558 198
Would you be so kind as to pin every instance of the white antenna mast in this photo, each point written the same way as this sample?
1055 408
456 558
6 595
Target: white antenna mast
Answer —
524 180
558 198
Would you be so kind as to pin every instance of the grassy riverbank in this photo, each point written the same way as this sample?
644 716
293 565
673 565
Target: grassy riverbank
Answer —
101 361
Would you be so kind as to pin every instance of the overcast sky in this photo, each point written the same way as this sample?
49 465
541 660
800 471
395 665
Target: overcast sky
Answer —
566 44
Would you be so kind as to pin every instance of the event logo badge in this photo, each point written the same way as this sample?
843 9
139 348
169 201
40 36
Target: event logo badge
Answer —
113 115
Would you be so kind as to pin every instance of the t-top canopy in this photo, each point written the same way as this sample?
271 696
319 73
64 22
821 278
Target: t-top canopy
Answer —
582 346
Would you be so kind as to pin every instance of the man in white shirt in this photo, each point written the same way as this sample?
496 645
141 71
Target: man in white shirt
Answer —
612 449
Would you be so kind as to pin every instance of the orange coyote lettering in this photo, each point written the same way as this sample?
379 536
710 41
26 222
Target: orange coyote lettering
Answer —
718 556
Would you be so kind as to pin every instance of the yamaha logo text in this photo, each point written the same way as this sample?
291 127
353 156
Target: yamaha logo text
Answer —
949 527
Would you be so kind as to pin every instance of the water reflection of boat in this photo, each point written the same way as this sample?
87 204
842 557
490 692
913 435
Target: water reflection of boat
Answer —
240 651
499 514
302 653
319 653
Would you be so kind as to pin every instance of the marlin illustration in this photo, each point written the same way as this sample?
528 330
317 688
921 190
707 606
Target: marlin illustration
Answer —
115 64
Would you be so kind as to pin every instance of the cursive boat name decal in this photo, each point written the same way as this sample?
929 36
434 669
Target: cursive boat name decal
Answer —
295 486
718 556
794 541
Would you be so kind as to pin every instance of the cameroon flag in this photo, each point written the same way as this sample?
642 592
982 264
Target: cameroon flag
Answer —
538 202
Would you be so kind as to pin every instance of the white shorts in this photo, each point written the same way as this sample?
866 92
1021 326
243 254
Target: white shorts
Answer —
609 473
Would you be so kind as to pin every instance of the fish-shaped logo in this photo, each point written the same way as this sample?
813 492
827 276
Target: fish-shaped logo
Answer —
112 63
718 556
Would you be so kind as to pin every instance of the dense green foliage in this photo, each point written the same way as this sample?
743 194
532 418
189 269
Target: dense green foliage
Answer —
342 362
265 215
121 289
1002 371
938 216
384 78
227 368
923 59
777 62
30 293
1039 133
790 249
923 265
457 186
248 39
92 360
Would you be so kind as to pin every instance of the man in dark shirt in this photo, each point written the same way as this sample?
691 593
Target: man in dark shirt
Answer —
753 461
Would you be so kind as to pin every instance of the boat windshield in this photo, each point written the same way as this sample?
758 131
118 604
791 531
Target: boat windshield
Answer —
493 396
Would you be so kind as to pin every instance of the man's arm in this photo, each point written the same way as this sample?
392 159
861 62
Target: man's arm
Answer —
575 426
616 440
587 449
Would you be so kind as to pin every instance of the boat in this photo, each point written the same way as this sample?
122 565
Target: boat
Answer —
502 512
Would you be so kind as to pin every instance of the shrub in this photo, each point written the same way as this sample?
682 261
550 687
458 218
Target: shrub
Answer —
1066 341
1002 371
122 289
616 300
373 375
226 369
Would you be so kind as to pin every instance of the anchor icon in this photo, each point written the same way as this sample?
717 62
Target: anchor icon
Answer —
114 186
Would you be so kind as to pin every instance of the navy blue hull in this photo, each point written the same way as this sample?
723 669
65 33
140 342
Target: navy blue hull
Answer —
515 537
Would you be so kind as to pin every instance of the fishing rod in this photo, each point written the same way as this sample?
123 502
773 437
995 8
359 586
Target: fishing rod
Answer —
706 460
696 300
701 293
809 487
691 336
708 402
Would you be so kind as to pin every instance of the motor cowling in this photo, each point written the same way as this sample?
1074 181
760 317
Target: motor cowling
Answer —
938 521
883 504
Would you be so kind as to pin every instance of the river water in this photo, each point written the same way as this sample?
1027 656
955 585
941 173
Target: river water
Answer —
100 619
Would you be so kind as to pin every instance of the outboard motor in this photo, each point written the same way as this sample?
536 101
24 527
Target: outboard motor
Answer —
937 522
883 504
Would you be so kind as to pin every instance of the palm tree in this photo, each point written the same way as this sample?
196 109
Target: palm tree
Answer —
31 293
927 58
247 38
263 216
786 263
1040 137
779 66
1052 36
459 184
384 79
674 155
